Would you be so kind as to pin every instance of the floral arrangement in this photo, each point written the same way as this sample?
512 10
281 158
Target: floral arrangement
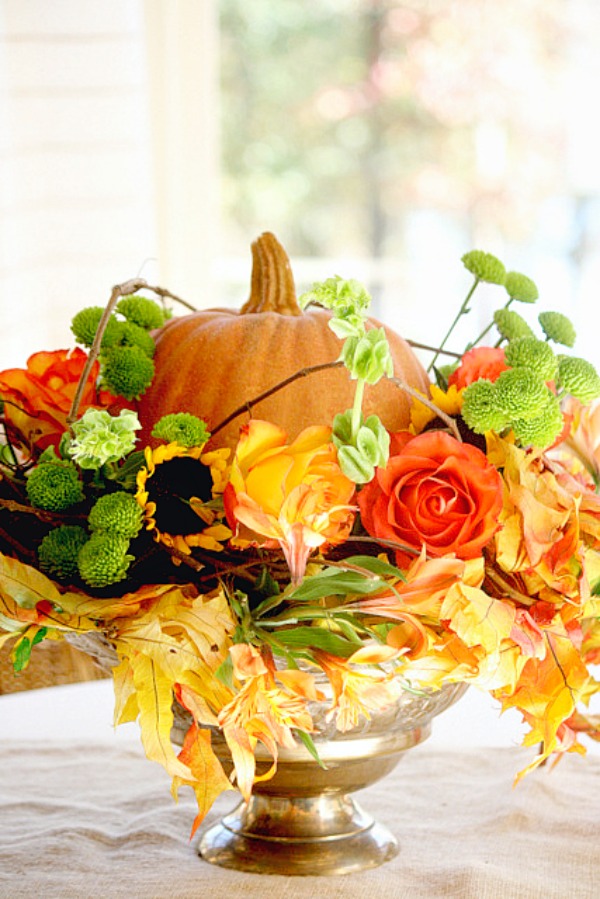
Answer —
464 549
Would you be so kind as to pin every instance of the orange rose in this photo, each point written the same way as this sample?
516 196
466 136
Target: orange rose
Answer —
480 362
435 492
38 399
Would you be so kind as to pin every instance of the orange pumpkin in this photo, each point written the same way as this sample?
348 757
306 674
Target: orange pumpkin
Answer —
213 361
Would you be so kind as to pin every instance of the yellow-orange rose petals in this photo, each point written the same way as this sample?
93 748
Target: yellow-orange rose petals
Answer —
291 495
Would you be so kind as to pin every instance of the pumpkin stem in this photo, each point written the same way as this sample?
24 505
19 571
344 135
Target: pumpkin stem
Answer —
272 287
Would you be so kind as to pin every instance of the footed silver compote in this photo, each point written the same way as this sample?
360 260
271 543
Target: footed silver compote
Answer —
303 820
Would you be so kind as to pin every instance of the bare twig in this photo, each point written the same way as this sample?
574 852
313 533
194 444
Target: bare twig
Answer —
118 291
303 373
447 419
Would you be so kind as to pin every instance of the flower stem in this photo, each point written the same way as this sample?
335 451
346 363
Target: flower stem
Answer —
462 311
357 408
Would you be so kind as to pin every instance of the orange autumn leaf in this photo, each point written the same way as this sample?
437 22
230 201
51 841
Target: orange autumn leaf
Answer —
208 779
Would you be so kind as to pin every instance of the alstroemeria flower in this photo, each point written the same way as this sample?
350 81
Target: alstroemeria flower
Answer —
39 398
434 492
580 450
175 488
264 711
358 690
480 362
290 495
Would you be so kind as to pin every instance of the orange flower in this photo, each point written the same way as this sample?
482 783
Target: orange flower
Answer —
263 711
38 399
358 691
480 362
290 495
436 492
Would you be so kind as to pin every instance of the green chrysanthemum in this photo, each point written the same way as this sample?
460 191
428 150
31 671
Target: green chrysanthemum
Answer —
141 311
511 325
579 378
484 266
480 408
182 428
104 559
85 324
130 334
557 327
521 393
54 486
537 355
127 371
520 287
117 513
58 551
543 430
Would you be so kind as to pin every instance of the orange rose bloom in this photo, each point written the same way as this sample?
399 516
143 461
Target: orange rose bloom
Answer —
38 399
435 492
480 362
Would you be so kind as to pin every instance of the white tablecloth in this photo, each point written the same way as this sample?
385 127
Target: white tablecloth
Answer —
84 814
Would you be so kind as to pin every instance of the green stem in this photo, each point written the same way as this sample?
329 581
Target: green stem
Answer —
462 311
489 328
357 408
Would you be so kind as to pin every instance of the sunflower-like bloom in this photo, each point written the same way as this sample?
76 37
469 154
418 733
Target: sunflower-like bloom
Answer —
175 489
290 495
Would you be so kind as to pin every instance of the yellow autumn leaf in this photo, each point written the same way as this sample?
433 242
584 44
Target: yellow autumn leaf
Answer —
126 704
478 619
155 698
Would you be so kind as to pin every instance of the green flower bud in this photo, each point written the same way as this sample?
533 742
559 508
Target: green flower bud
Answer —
368 357
359 456
521 393
130 334
104 560
85 324
543 430
182 428
117 513
127 371
54 486
480 408
57 553
557 327
141 311
355 466
339 295
520 287
579 378
537 355
101 438
511 325
484 266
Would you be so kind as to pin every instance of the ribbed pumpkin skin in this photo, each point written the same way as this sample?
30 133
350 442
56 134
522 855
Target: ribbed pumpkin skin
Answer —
211 362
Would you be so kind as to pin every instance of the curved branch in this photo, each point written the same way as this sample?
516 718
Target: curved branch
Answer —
303 373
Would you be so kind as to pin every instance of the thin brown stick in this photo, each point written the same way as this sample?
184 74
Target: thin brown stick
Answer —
302 373
118 291
433 349
447 419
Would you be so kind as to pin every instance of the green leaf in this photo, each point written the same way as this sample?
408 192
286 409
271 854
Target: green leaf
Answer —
310 745
375 566
317 638
333 582
224 672
21 653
